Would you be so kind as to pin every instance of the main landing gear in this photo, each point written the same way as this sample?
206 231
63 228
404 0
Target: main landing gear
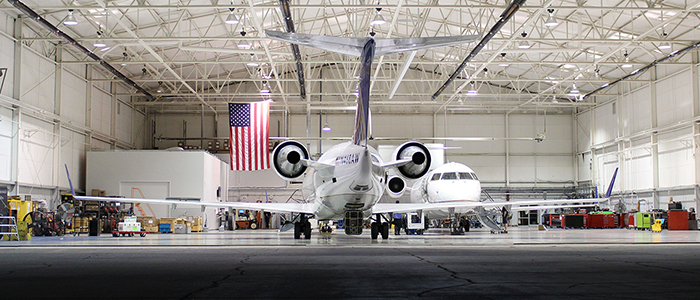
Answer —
302 226
460 225
380 227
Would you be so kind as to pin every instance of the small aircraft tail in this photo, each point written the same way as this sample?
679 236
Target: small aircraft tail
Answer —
612 183
72 191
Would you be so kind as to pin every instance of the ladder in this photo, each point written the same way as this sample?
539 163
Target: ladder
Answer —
11 223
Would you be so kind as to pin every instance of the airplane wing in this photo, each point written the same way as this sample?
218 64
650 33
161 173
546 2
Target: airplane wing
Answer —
391 46
344 45
271 207
541 204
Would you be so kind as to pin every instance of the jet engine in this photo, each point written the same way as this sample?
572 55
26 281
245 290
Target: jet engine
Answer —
419 156
287 157
396 185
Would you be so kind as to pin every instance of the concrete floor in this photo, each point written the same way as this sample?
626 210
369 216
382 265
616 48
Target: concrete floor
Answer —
525 263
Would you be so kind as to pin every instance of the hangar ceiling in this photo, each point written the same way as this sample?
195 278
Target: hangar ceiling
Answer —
186 55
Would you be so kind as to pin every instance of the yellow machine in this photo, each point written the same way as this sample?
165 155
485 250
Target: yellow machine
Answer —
656 227
20 208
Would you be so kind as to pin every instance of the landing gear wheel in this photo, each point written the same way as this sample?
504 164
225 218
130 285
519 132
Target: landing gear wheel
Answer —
307 230
297 230
385 231
375 230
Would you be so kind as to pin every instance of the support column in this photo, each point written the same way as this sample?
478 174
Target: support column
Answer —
88 123
58 83
654 139
507 166
113 115
695 78
17 69
16 110
14 160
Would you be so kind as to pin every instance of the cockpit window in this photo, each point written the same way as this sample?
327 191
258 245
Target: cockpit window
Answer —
474 176
465 176
436 176
449 176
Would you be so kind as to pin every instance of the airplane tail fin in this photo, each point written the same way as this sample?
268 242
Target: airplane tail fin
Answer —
72 191
353 46
612 183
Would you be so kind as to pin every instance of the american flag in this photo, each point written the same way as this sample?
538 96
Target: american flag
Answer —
250 133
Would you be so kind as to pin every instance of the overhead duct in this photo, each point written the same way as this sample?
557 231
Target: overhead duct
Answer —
284 7
33 15
505 16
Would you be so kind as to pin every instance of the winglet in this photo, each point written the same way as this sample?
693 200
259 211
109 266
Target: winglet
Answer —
612 183
72 191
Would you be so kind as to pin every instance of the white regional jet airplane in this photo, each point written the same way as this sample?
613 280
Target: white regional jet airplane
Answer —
349 179
453 190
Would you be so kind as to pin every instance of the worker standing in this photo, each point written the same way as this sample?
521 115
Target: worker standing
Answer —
505 219
397 222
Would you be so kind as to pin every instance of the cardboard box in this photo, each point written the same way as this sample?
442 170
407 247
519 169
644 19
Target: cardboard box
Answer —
150 228
148 222
98 193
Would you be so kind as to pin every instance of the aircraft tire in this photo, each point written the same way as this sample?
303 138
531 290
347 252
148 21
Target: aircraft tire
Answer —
307 230
375 230
297 230
385 231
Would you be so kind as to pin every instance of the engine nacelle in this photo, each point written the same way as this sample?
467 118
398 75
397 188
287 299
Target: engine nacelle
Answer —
419 156
396 185
286 158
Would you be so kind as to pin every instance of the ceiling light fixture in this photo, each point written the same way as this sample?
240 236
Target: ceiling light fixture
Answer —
524 44
231 19
70 19
574 91
99 43
378 19
551 21
503 62
472 92
326 127
627 63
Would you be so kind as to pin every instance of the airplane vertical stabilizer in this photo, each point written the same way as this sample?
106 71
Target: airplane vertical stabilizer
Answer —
366 48
612 183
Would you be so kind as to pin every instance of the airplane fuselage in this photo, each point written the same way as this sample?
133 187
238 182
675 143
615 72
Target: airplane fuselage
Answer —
451 182
354 182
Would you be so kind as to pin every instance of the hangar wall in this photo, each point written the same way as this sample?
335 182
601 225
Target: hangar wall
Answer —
499 163
650 132
51 114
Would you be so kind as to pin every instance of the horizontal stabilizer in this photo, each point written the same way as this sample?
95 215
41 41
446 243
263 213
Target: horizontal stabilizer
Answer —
353 46
344 45
391 46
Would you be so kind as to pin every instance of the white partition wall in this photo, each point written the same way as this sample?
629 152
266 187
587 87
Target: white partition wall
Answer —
52 113
158 174
649 133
